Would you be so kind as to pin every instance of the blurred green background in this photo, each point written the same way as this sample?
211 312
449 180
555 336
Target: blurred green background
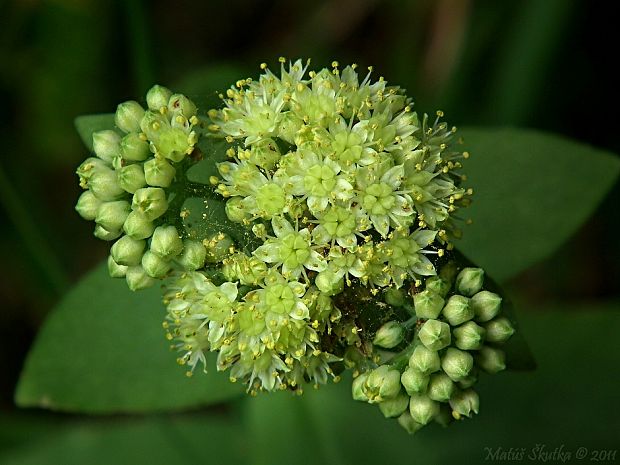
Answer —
543 64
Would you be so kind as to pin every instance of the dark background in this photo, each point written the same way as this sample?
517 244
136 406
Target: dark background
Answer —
545 64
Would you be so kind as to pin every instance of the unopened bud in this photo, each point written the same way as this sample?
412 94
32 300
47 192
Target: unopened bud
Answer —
137 279
329 282
137 226
166 242
435 334
408 423
128 116
180 104
88 205
486 305
414 381
422 408
469 336
438 285
127 251
104 184
394 297
154 265
193 255
428 304
158 97
382 383
134 148
105 235
389 335
469 281
499 330
106 144
457 363
116 270
464 403
150 201
395 406
458 310
131 177
158 172
491 360
112 215
424 360
440 387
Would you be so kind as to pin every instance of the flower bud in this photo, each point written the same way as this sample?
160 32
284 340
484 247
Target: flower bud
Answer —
137 279
106 144
382 383
428 304
131 177
438 285
457 363
389 335
329 282
88 205
235 210
422 408
469 380
491 359
137 226
499 330
112 215
440 387
357 388
150 201
158 172
464 403
469 336
88 168
486 305
414 381
134 148
394 297
469 281
104 184
394 407
408 423
105 235
193 255
166 242
217 247
435 334
128 116
116 270
154 265
458 310
180 104
424 360
158 97
127 251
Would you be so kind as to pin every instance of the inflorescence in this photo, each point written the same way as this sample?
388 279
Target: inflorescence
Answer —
350 199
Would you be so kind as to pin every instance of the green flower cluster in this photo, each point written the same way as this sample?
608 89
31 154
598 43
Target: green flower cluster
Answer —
328 244
126 187
453 337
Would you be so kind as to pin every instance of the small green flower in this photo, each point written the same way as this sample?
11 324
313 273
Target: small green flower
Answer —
422 408
414 381
499 330
389 335
458 310
435 334
469 281
486 305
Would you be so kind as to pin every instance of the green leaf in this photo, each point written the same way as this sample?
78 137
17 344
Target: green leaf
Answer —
103 350
88 124
531 192
577 353
178 439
